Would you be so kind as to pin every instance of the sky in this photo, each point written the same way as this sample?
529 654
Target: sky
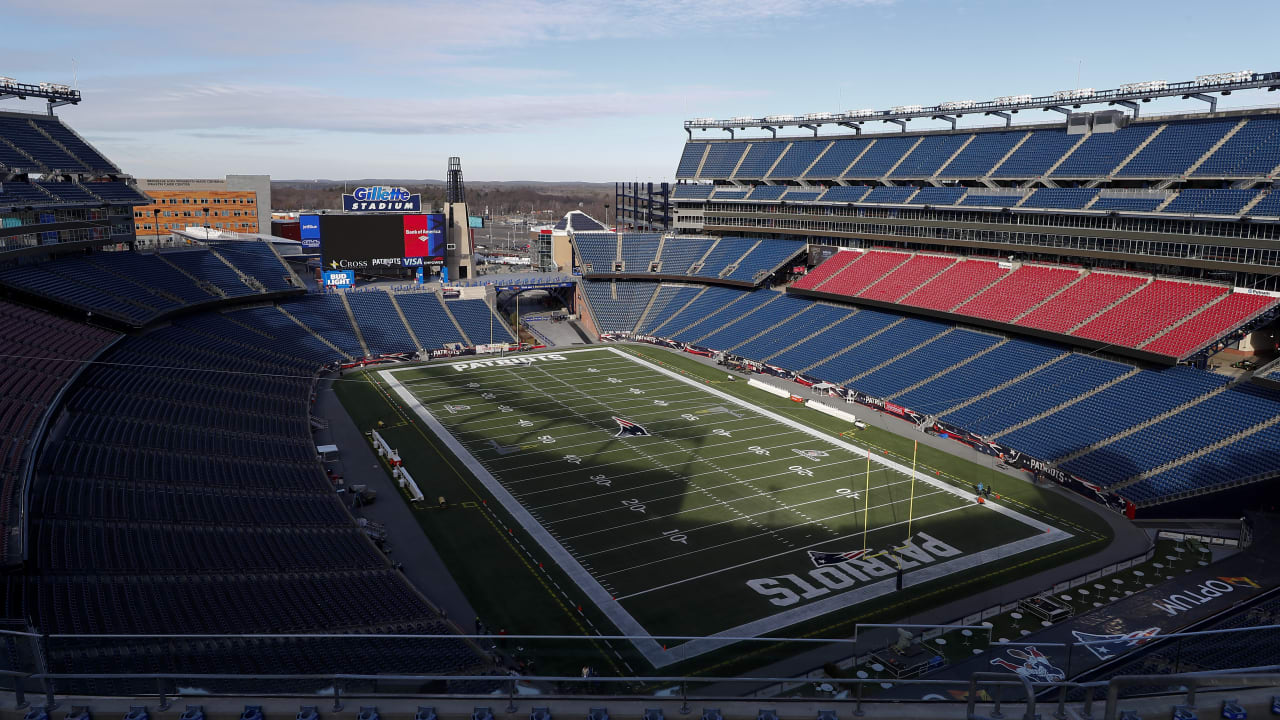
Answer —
591 90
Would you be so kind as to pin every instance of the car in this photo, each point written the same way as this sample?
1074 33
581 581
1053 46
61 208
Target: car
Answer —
1231 710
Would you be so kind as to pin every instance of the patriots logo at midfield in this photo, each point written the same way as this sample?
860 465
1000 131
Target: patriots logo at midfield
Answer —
1105 647
823 559
626 428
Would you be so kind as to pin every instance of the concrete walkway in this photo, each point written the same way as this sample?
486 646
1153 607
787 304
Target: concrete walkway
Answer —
409 544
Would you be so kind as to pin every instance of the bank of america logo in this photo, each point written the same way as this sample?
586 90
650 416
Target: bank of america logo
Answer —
823 559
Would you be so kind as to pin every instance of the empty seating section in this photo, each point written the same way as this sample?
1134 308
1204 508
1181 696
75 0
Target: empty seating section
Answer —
838 157
759 158
45 351
666 302
1034 157
19 194
639 251
766 192
815 317
1210 324
1061 198
426 315
1253 151
1148 311
725 252
209 268
894 341
1018 292
117 193
83 151
1127 203
1042 390
894 195
712 300
830 342
978 157
938 196
1174 150
259 261
690 157
692 192
863 272
771 308
479 322
273 323
612 315
718 319
766 256
1268 206
977 198
379 323
931 359
147 272
1100 153
326 316
1222 201
69 193
978 376
796 195
846 193
955 285
1089 296
1214 419
929 155
824 270
599 250
721 159
126 302
12 159
798 158
18 130
881 156
907 277
1103 414
680 253
1247 457
722 194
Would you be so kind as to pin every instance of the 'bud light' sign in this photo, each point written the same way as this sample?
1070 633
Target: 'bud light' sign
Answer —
381 198
339 278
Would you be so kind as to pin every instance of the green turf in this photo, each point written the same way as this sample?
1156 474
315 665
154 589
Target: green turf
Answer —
742 515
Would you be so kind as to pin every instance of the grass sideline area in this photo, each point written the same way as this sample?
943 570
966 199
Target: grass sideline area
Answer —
765 517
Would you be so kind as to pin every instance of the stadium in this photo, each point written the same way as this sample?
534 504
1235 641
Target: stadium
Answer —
888 423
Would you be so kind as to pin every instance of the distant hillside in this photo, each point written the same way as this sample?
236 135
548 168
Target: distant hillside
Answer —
550 200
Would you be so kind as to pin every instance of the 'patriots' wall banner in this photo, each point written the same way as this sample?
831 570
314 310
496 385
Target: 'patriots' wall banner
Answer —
381 198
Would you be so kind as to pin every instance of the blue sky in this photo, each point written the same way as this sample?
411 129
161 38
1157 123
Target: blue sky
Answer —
580 90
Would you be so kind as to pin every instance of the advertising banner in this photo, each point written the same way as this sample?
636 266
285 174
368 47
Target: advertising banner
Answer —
381 198
309 231
339 278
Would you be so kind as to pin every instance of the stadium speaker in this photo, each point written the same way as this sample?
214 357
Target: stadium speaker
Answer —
1078 123
1107 121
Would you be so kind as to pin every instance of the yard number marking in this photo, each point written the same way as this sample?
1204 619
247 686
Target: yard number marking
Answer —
676 536
846 492
546 439
801 470
601 480
758 450
634 504
721 431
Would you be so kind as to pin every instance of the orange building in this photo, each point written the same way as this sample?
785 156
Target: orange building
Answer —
234 210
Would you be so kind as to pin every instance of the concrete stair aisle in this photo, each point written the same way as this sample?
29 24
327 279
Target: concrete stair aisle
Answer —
246 279
60 146
856 343
778 159
1256 199
698 264
885 177
725 311
985 288
739 318
657 255
1095 316
946 370
809 167
897 357
1061 290
706 149
317 335
1068 153
647 307
1142 145
288 269
679 310
1140 426
810 336
927 281
400 313
1068 403
1166 202
1198 453
745 152
954 155
730 268
355 326
1006 156
1199 310
204 285
865 149
851 257
1214 148
1003 385
776 325
454 320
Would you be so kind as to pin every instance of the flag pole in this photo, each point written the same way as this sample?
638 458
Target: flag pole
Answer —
911 504
866 503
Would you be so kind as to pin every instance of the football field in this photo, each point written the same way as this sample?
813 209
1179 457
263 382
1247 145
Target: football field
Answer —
679 509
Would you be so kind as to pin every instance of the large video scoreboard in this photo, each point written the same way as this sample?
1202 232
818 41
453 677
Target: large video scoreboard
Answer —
376 244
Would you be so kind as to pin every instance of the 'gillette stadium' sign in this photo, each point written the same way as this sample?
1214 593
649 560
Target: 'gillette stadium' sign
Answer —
381 198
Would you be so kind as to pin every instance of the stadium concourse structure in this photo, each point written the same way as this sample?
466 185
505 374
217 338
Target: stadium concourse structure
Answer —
1050 292
158 470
